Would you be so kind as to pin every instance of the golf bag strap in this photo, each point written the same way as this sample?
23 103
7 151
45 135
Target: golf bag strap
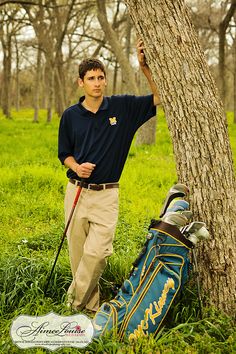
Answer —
172 231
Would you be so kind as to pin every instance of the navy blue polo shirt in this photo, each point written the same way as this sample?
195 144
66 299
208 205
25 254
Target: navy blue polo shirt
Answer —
104 137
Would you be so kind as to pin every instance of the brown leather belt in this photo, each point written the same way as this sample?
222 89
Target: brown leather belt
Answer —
94 187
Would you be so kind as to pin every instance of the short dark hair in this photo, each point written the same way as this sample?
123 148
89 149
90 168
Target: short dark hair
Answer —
90 64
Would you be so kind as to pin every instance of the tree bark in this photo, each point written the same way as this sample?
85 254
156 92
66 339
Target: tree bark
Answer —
199 133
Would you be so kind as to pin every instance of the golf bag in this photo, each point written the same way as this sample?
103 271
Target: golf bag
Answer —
156 278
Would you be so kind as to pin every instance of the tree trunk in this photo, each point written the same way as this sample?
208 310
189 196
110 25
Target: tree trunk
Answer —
147 132
234 66
50 70
6 95
222 33
127 71
114 84
44 96
60 88
37 86
17 103
199 133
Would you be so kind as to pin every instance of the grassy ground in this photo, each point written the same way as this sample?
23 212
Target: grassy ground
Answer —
32 189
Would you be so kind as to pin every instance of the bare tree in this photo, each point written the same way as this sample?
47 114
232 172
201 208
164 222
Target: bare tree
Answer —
9 27
51 24
146 134
212 23
198 128
224 24
114 41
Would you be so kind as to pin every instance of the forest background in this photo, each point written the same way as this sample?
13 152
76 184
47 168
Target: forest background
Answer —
41 45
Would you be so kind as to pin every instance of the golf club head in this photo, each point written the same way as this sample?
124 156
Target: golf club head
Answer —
201 234
193 227
195 231
176 219
178 205
187 213
177 191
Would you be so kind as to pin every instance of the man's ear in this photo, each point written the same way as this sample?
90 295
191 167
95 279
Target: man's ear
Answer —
80 82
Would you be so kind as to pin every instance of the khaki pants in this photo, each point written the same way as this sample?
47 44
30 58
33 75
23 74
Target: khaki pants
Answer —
90 237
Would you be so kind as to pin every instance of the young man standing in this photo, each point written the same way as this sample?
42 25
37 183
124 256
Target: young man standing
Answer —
94 140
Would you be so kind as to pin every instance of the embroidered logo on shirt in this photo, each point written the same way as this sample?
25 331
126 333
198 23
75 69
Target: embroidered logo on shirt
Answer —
113 121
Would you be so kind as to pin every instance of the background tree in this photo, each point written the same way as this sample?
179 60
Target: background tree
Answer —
224 25
198 129
71 31
212 22
146 134
10 25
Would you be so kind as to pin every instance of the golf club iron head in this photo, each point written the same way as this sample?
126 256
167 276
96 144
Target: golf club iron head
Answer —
177 191
187 213
177 219
193 227
196 231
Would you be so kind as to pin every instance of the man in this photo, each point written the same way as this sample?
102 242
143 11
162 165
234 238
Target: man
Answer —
94 139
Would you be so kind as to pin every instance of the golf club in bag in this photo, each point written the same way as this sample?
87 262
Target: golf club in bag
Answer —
157 276
65 231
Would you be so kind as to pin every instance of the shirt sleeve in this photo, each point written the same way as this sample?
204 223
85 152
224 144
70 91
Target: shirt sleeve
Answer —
65 147
141 109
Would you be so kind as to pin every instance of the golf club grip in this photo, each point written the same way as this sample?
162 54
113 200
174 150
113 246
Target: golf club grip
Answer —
73 207
77 196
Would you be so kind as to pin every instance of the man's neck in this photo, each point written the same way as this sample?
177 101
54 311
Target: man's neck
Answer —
92 104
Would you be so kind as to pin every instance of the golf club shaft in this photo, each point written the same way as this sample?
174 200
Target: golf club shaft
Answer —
198 283
64 234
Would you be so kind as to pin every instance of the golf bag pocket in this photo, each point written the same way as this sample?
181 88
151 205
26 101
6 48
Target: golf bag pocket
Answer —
145 297
109 316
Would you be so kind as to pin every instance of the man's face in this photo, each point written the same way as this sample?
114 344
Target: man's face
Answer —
93 83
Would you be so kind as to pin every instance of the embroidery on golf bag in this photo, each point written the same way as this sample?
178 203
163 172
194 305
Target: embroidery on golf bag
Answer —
149 312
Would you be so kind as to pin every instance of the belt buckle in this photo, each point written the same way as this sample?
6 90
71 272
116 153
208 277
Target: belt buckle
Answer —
89 186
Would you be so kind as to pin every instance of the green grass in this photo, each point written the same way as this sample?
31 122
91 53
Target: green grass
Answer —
32 187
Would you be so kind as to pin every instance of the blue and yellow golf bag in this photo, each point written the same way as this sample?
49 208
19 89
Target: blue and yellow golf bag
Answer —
157 276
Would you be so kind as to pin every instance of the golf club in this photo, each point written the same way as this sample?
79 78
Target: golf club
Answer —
178 190
64 233
196 231
176 219
178 205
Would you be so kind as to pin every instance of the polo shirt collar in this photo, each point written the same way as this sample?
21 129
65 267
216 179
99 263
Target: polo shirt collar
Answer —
103 106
